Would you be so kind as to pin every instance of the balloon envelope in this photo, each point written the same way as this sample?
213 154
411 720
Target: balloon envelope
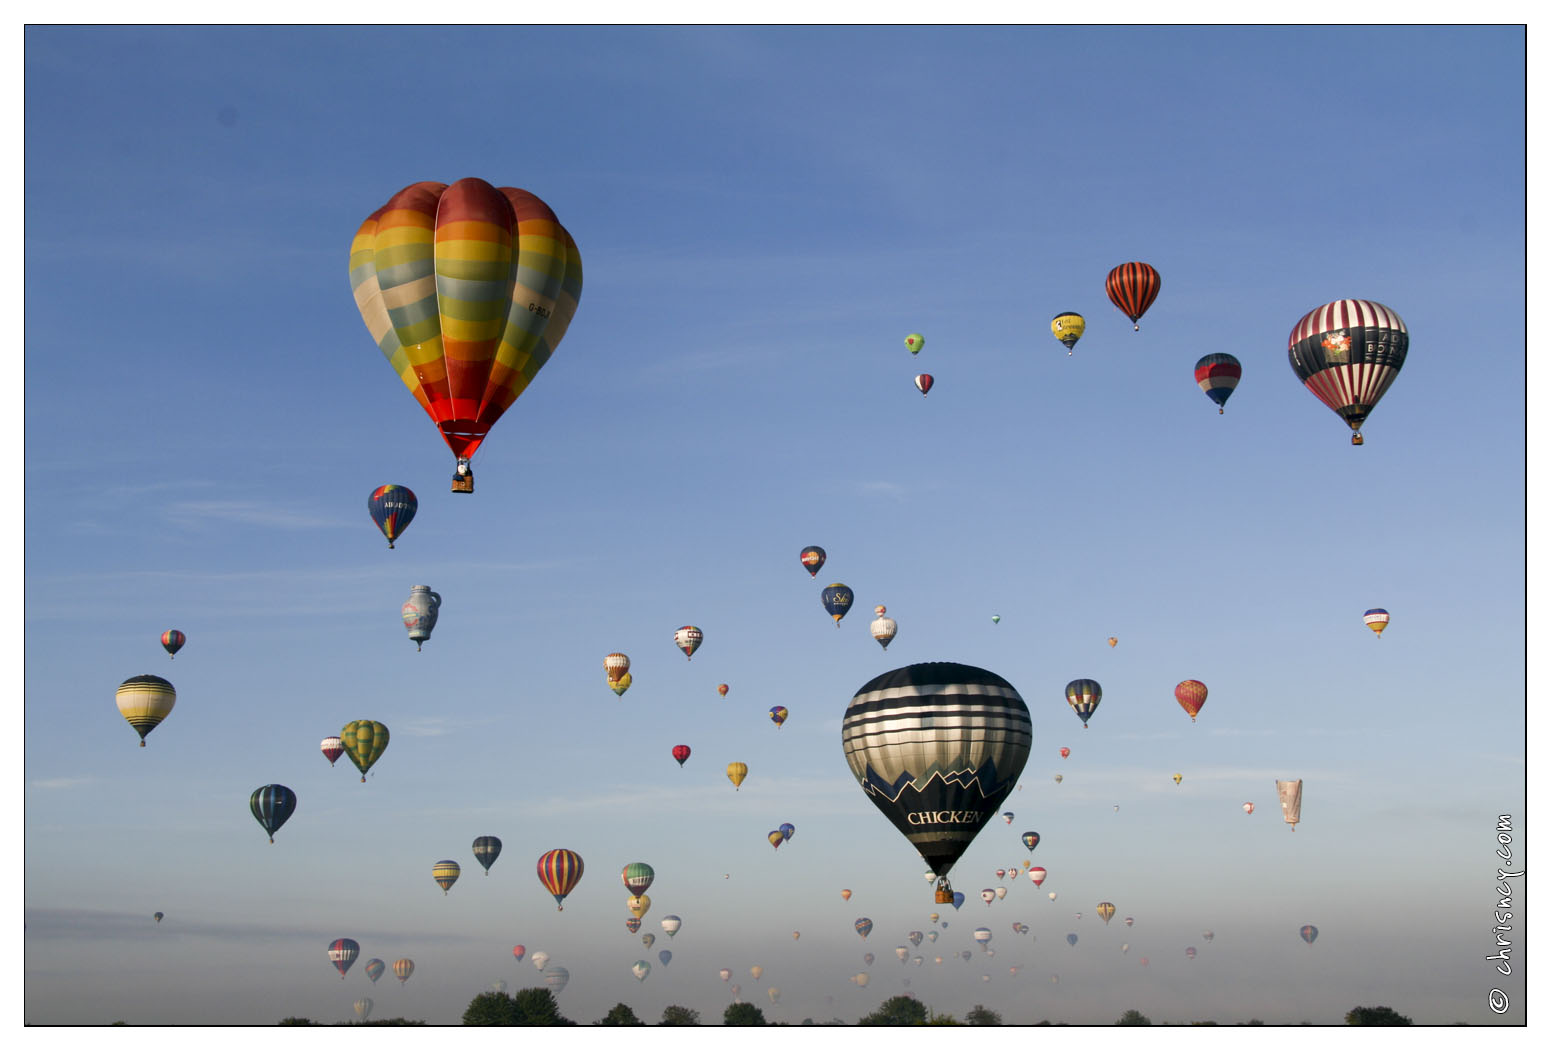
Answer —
144 701
1308 933
1068 327
173 640
1347 353
272 806
559 871
364 742
688 638
924 383
937 747
1217 375
375 969
813 559
467 290
1084 696
1377 619
392 507
486 850
342 953
332 748
446 873
736 772
1191 695
681 753
637 877
1132 287
837 601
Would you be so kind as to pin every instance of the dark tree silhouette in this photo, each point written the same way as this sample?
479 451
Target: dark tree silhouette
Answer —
673 1014
982 1016
1134 1017
743 1014
1376 1016
897 1010
619 1014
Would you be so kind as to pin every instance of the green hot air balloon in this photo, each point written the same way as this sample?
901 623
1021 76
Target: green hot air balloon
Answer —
937 747
364 742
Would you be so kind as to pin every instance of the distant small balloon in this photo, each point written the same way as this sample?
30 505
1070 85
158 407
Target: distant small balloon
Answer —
924 383
915 341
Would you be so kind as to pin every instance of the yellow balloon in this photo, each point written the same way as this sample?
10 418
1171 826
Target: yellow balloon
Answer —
638 905
736 772
1068 328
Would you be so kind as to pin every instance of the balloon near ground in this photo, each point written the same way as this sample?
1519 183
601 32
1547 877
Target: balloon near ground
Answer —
144 701
937 747
1132 287
392 507
467 290
1347 353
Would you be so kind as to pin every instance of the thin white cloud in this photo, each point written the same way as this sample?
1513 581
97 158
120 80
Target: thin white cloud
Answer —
60 782
893 490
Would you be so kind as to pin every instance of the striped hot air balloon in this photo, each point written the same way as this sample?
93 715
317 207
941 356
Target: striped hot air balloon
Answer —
342 953
445 873
364 741
467 290
638 877
1132 287
1347 353
559 872
375 969
272 806
172 641
144 701
332 748
402 969
940 739
1378 620
1217 375
1084 696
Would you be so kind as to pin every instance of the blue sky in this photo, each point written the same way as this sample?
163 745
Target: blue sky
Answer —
763 216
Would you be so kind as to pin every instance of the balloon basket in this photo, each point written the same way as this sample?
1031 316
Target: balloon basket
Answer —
463 483
1357 438
944 896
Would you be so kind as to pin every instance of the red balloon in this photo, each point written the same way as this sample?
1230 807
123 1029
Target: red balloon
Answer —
924 383
1132 287
681 753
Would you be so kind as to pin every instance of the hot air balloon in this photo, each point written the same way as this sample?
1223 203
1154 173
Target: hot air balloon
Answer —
1217 375
445 873
637 877
726 973
787 829
1106 911
776 839
736 772
615 665
996 618
632 925
622 684
1191 695
1178 778
640 969
1378 620
688 638
671 924
559 872
419 612
722 689
486 850
1190 953
638 904
756 971
392 507
905 728
1030 840
1347 353
1207 936
556 978
778 715
375 969
332 749
1037 875
519 951
1291 795
1249 808
775 994
1007 816
539 959
1001 873
837 601
1001 892
884 628
915 341
364 742
1084 696
342 953
988 895
914 937
172 641
681 753
158 916
736 990
902 953
982 935
467 290
860 978
1112 640
863 927
144 701
1308 933
1068 327
958 900
924 383
813 559
1071 939
363 1007
1065 752
845 895
272 806
1059 778
1132 287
